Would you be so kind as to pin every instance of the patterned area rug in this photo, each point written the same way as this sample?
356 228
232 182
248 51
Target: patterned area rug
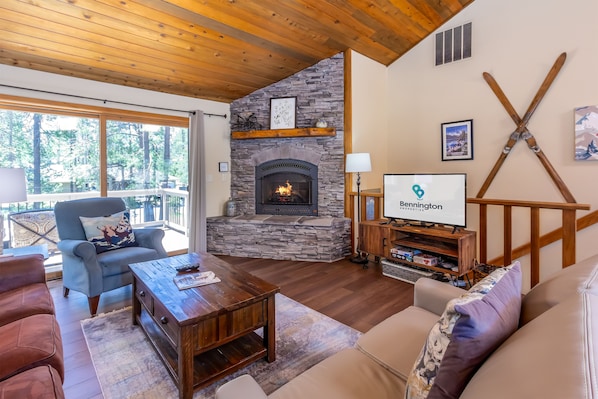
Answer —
128 367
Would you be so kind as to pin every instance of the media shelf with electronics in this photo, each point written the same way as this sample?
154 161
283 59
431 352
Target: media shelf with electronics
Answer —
423 226
435 248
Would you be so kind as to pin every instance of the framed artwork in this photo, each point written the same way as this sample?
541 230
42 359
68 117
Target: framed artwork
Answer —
283 112
457 140
586 133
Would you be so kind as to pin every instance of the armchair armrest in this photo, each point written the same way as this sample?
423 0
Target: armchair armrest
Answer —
151 238
241 387
433 295
18 271
80 268
79 248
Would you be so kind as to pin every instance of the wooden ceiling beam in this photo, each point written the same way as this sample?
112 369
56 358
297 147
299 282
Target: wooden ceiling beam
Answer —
244 26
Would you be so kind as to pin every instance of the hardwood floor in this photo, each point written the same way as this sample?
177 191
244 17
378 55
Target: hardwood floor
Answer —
345 291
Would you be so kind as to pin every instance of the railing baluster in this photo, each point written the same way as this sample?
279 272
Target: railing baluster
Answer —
483 233
508 235
569 237
535 246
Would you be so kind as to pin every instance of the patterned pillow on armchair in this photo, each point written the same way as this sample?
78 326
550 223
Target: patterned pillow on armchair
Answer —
109 232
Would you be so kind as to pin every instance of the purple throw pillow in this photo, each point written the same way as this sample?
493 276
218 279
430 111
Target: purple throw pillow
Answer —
470 329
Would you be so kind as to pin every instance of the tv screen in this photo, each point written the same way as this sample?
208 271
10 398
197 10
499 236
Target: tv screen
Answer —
438 198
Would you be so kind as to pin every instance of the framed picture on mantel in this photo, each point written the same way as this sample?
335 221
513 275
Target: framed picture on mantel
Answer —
283 112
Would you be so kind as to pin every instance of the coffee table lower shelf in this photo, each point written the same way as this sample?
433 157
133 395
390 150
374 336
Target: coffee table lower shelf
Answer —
210 365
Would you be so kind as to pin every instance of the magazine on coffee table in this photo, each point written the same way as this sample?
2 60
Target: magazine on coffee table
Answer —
197 279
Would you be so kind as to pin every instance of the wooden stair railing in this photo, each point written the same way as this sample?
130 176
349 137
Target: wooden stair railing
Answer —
548 238
567 231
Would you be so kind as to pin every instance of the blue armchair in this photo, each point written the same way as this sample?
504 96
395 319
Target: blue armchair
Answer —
85 268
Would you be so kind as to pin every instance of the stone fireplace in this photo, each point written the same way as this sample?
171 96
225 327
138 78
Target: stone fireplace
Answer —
286 187
307 222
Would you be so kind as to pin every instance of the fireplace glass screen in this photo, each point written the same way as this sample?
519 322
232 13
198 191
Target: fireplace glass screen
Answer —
286 187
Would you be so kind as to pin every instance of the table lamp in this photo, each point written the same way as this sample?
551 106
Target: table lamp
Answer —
357 163
14 189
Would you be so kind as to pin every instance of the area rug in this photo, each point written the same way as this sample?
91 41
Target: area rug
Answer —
128 367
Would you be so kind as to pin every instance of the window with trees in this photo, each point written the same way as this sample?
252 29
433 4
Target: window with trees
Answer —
71 151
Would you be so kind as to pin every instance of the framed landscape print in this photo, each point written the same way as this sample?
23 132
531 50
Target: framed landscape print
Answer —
283 112
457 140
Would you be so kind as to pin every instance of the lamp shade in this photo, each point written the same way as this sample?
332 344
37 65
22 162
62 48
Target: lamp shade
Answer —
13 187
358 162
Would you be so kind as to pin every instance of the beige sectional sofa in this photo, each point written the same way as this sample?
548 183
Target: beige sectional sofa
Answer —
552 354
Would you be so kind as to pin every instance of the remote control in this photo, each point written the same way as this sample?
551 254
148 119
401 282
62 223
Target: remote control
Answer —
187 268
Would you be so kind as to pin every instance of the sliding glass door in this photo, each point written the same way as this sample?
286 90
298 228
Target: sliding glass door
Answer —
71 152
147 165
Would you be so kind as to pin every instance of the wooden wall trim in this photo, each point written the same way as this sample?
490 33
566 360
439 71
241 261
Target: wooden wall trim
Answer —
348 130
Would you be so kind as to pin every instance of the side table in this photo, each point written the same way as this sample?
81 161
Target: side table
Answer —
33 249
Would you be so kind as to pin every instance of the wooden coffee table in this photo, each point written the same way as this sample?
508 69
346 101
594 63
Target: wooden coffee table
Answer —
203 333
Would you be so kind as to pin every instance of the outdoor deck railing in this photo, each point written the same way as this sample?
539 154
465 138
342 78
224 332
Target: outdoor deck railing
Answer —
153 207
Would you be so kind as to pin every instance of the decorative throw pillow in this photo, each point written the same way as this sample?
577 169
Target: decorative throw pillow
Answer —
109 232
470 329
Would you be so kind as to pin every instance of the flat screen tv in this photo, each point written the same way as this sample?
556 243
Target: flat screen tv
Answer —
436 198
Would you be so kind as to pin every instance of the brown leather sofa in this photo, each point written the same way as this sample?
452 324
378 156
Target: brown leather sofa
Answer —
31 355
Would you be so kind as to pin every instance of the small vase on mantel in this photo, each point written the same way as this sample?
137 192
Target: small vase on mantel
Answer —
321 123
231 207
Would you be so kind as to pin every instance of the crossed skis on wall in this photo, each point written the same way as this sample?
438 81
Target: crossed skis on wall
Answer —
522 132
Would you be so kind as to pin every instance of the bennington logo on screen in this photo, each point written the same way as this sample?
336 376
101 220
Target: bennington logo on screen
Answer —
419 192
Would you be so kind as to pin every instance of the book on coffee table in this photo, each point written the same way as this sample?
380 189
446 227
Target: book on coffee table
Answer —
197 279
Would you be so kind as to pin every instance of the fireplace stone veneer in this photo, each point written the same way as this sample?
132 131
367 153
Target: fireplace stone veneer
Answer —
323 239
326 237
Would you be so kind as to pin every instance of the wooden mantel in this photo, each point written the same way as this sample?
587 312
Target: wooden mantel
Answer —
278 133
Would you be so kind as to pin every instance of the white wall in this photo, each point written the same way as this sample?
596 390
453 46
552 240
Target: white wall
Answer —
517 43
369 116
217 129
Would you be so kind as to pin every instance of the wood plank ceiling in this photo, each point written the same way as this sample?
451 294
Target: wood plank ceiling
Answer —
212 49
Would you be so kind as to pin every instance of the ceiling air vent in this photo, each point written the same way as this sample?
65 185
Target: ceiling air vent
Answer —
453 44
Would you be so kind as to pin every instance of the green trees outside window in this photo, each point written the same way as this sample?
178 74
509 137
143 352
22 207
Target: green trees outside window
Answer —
62 154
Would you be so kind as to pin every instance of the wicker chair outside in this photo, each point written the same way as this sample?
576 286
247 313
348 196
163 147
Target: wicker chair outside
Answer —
34 227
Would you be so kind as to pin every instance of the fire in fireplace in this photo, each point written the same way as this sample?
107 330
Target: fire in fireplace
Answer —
286 187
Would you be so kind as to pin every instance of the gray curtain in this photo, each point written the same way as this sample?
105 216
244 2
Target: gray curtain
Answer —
197 183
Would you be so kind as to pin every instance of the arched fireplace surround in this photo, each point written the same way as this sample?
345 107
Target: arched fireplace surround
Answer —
286 187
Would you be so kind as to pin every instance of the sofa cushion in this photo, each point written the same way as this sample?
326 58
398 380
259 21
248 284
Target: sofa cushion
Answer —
470 328
41 382
25 301
580 277
396 342
30 342
18 271
109 232
552 356
348 374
